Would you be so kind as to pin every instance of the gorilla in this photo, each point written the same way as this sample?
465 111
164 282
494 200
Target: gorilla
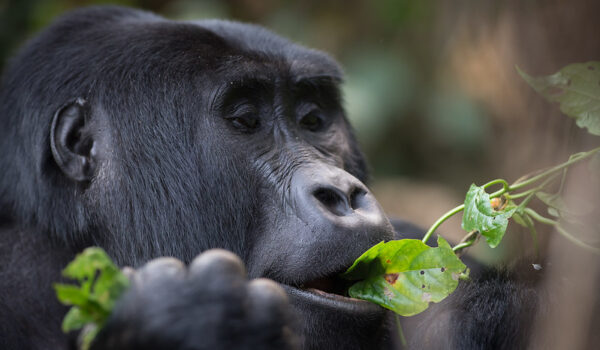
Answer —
215 159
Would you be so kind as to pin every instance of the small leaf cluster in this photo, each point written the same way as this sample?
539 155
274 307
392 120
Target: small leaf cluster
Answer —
100 284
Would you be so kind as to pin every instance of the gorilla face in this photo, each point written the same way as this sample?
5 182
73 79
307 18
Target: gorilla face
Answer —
282 128
313 216
180 137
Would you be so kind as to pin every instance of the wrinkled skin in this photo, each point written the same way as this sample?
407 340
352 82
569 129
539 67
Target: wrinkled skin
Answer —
153 138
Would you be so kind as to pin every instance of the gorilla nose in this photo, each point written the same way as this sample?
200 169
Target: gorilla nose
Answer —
328 196
341 202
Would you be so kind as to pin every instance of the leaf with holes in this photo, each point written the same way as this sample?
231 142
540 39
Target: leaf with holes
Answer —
405 275
480 216
576 88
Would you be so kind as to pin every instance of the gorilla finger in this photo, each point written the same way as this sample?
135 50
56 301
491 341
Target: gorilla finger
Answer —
160 269
270 318
217 264
129 272
268 302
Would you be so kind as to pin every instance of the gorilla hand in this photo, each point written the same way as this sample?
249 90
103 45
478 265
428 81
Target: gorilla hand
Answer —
210 305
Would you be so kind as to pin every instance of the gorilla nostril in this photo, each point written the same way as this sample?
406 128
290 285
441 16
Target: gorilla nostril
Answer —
334 200
357 198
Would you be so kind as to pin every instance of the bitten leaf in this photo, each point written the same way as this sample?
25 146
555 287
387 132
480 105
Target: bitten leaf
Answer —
405 275
480 216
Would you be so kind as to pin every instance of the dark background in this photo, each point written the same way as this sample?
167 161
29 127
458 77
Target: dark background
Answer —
433 93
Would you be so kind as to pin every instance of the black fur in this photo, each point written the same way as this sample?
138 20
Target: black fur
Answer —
197 140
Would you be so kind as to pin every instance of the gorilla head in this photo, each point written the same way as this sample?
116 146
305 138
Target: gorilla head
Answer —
152 138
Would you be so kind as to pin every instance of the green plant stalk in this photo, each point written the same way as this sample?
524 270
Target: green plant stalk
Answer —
550 171
463 245
524 193
533 232
468 240
510 188
563 180
560 230
532 191
529 197
400 331
505 185
439 221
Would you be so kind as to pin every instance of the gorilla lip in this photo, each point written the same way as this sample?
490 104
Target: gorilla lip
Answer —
331 301
331 289
328 285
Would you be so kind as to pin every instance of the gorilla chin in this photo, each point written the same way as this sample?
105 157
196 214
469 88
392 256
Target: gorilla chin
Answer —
334 321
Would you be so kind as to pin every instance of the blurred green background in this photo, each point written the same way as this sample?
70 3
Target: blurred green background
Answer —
431 85
433 93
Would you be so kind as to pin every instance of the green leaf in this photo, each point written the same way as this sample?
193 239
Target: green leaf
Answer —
101 284
82 300
555 203
88 336
558 208
552 200
85 264
75 319
520 219
361 266
69 294
523 219
480 216
110 284
576 88
405 275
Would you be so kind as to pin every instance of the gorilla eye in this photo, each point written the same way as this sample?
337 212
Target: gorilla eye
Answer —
312 121
245 122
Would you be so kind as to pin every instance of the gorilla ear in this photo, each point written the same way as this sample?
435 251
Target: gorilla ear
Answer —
72 142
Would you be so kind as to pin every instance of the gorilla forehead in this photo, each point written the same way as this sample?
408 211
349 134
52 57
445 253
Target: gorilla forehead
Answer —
302 62
131 43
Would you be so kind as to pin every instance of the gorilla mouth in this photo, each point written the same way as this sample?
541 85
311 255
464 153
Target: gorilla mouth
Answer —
330 286
331 292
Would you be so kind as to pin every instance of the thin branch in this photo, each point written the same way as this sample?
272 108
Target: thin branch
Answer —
561 230
441 220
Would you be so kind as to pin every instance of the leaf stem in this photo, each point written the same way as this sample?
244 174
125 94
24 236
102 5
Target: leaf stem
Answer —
400 331
539 218
529 197
561 230
463 245
506 188
552 170
533 190
532 230
440 221
562 181
505 185
522 194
